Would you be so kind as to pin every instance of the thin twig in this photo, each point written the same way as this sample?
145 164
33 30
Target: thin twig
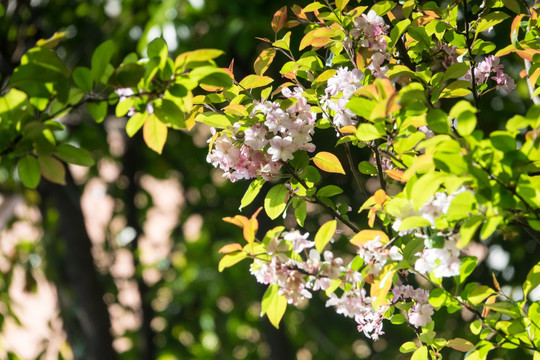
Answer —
318 200
469 52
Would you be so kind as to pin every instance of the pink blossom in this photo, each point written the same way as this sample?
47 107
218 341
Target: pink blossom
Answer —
420 314
299 241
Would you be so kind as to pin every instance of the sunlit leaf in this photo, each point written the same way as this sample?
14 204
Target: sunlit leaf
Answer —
328 162
154 133
324 234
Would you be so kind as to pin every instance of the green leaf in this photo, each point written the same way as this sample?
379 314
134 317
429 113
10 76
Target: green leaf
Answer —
74 155
28 170
329 191
532 281
479 294
273 305
438 121
468 264
169 113
398 319
368 132
100 59
154 133
456 70
97 110
230 260
135 123
397 31
468 229
127 75
251 193
466 123
82 77
158 48
408 347
490 226
214 120
439 297
324 234
508 308
476 327
365 167
412 222
420 354
458 88
300 211
461 206
52 169
276 201
512 5
361 106
255 81
490 20
425 187
184 60
382 7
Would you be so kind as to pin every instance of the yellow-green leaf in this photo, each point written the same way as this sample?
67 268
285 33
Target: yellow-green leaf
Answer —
52 169
328 162
324 235
367 235
154 133
264 60
230 260
273 305
255 81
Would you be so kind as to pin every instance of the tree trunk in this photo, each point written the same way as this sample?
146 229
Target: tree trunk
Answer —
77 268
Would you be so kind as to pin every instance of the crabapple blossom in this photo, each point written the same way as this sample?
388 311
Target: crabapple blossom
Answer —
442 262
299 241
485 68
420 314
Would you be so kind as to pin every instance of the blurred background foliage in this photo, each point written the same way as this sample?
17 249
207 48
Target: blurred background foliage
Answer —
159 279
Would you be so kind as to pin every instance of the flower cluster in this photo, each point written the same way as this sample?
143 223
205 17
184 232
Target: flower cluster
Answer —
355 304
256 150
374 253
345 82
420 313
440 261
371 28
488 66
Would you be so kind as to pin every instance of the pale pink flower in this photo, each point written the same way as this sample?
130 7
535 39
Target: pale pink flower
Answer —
420 314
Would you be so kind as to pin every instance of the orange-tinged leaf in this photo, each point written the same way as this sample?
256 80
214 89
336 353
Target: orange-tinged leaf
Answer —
236 110
154 133
490 300
381 285
328 162
396 174
380 197
367 235
264 60
349 129
318 37
514 29
299 12
255 81
238 220
230 248
279 19
52 169
460 344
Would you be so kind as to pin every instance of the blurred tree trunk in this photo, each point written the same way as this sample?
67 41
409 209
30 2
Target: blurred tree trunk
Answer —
77 273
147 348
